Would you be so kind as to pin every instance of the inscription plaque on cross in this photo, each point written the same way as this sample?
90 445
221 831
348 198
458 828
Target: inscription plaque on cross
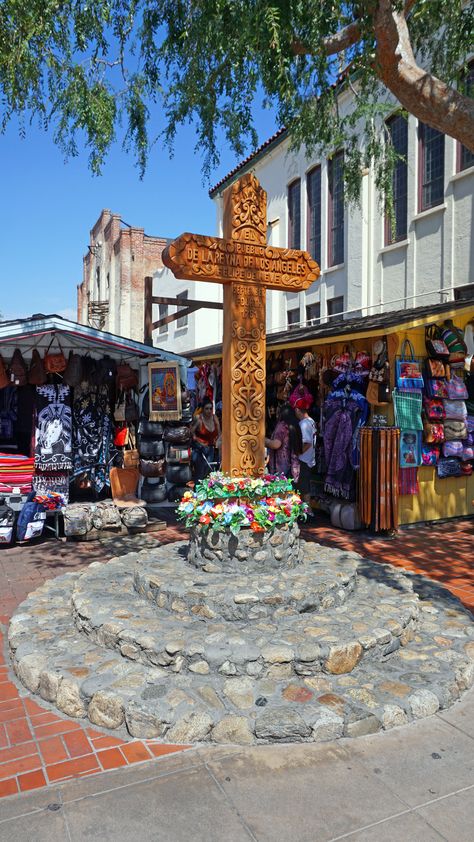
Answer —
246 266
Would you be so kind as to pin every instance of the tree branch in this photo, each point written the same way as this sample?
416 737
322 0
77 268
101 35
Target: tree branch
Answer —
420 92
346 37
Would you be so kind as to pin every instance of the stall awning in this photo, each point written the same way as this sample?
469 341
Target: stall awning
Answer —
38 330
360 327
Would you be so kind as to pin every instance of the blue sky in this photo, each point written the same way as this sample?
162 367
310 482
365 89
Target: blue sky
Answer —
48 207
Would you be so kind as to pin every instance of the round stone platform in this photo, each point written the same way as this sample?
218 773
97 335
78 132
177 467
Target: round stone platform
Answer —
335 646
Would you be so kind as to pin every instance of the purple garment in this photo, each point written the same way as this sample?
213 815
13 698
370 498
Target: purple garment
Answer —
283 460
337 449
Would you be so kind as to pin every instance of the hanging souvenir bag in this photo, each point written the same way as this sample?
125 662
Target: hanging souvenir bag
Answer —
131 457
106 370
455 430
18 370
4 379
467 452
408 369
37 375
152 468
410 449
150 429
55 363
466 468
453 448
378 394
178 474
436 388
436 347
433 433
429 455
455 343
177 435
449 467
434 409
119 411
121 436
435 369
151 449
153 491
456 388
131 409
73 373
407 407
127 377
455 410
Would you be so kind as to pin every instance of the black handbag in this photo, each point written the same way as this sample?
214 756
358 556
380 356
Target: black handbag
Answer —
179 474
131 409
73 374
176 493
177 435
449 467
150 468
151 449
150 429
153 492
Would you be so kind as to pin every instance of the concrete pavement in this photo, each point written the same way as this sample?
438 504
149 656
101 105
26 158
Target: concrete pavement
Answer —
413 784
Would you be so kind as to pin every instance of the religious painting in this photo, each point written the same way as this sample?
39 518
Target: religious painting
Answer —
165 391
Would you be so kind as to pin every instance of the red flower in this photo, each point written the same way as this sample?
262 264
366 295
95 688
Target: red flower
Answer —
256 527
204 519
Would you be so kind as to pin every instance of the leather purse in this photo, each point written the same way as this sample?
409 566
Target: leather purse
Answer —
127 377
73 373
177 435
55 363
454 430
178 474
150 429
152 468
37 375
151 449
153 492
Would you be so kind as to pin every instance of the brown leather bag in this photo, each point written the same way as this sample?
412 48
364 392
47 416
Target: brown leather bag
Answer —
4 380
18 369
55 363
177 435
149 468
127 377
37 375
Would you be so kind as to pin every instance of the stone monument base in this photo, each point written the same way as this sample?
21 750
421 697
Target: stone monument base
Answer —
246 552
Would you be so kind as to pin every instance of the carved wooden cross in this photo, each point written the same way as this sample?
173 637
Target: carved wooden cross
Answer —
247 267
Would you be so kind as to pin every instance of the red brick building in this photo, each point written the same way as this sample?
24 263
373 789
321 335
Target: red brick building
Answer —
119 257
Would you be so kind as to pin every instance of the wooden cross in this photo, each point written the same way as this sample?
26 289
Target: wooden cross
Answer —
246 266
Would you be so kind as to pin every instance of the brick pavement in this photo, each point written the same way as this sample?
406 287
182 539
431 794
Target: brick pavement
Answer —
38 748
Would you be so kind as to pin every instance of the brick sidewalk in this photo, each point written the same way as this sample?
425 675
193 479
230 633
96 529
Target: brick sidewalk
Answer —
38 748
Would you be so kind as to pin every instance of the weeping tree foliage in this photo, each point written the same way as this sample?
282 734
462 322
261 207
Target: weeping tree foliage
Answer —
135 70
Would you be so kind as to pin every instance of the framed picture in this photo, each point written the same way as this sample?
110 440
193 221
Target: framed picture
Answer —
165 391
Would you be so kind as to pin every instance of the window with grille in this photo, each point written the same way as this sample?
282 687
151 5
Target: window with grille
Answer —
397 135
431 164
313 189
293 318
182 298
466 157
294 215
335 307
336 209
313 311
163 312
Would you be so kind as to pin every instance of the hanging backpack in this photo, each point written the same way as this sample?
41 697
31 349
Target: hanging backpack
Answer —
37 375
4 379
18 370
436 347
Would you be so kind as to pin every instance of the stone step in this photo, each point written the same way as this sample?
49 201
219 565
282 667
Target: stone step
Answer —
372 625
316 586
68 670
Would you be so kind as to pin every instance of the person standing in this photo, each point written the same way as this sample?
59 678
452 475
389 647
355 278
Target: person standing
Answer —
307 456
206 433
285 445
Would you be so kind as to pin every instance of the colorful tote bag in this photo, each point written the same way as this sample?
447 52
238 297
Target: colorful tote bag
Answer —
410 449
436 347
429 455
456 388
408 369
407 406
436 388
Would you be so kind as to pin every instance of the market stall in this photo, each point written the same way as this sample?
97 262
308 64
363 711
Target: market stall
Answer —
407 373
74 404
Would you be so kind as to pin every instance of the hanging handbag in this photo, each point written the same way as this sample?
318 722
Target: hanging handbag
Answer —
176 493
453 448
455 430
429 455
151 448
131 457
410 449
105 372
4 379
456 388
433 433
18 370
151 468
73 373
466 468
436 347
119 411
121 436
153 492
408 368
407 408
177 435
178 454
467 452
378 394
436 388
37 375
435 369
178 474
127 377
55 363
150 429
454 340
455 410
449 467
434 409
131 409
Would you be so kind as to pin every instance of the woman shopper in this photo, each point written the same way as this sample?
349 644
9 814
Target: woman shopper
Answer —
285 445
206 433
308 453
